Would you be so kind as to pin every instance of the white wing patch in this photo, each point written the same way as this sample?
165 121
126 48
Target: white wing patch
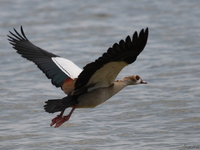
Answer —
67 66
106 75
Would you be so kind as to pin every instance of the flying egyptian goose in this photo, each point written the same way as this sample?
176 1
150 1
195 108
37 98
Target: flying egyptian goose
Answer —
85 88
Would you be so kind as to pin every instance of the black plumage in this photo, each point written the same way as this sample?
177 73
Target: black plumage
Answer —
56 105
39 56
126 51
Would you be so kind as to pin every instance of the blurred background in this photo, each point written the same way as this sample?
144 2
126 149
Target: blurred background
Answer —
164 114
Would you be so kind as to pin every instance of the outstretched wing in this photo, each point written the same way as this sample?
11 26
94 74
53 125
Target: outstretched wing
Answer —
103 71
54 67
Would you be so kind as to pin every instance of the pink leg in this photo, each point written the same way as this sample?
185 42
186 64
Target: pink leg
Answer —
59 120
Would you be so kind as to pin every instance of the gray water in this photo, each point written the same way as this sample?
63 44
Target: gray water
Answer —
164 114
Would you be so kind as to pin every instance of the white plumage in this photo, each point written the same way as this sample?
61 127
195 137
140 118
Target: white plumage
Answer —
67 66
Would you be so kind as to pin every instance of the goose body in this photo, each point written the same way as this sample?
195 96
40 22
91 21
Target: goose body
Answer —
98 96
87 87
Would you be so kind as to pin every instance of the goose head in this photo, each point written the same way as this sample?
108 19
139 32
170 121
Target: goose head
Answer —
133 80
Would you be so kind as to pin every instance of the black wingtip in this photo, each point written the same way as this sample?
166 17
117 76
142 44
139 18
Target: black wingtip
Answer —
16 35
22 31
147 31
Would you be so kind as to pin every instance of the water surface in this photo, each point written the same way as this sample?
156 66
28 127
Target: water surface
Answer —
164 114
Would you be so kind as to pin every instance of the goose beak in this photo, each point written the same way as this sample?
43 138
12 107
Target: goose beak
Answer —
143 82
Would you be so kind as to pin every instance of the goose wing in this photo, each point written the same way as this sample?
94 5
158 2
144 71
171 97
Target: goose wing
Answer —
53 66
103 71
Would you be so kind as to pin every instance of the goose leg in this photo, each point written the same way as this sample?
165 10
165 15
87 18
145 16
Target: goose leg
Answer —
59 120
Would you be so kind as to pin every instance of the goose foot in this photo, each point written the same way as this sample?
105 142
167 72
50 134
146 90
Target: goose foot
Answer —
60 119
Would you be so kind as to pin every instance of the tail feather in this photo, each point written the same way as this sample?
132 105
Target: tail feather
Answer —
53 105
56 105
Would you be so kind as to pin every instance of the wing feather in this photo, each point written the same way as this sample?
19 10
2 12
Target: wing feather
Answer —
54 67
103 71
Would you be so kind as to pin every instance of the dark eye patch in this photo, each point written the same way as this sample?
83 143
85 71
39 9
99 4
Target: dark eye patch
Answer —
137 77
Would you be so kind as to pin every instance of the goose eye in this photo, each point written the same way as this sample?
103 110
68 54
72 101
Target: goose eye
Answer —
137 77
